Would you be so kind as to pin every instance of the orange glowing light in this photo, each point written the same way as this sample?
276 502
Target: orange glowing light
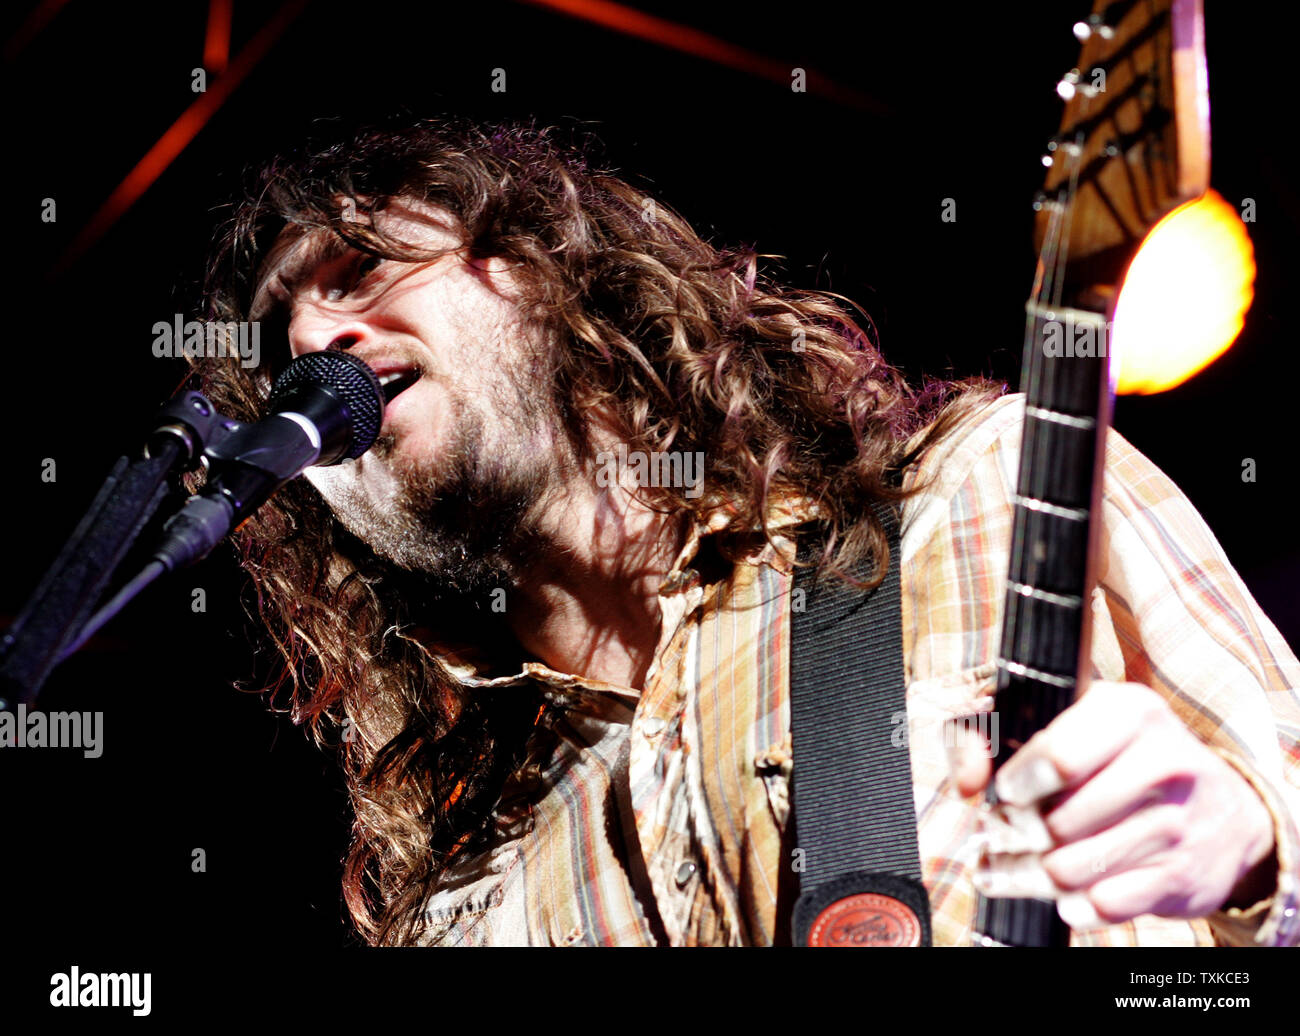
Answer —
1185 296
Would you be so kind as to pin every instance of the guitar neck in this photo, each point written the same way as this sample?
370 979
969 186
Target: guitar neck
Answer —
1133 144
1046 642
1067 408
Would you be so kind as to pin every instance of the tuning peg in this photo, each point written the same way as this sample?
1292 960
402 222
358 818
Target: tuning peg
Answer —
1073 82
1084 31
1070 147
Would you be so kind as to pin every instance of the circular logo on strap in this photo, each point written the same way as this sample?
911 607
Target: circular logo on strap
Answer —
866 919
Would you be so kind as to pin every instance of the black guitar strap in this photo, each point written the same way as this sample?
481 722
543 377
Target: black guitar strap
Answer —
855 820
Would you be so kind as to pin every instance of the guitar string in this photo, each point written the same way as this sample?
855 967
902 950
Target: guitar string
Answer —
1049 281
993 913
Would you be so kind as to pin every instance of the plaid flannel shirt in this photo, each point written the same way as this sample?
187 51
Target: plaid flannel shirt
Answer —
661 815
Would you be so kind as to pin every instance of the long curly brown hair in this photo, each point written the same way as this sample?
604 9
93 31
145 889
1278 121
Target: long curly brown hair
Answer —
686 343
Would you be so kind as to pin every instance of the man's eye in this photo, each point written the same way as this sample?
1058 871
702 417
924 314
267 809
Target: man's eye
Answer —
366 266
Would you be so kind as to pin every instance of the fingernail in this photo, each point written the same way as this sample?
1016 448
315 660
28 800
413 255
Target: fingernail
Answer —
1077 911
1021 785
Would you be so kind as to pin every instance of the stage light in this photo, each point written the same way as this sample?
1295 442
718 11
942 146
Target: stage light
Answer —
1185 297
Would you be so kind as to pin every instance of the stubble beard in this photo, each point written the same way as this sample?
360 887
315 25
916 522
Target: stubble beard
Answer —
467 520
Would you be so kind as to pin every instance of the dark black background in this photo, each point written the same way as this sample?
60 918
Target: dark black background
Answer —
95 856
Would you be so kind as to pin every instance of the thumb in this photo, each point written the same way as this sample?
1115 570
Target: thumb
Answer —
969 757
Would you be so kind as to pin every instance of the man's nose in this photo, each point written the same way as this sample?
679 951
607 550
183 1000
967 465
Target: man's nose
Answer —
312 330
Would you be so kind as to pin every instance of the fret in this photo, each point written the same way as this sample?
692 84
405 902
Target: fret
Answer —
1065 359
1056 463
1049 548
1041 634
1037 592
1029 503
1065 314
1027 674
1024 696
1069 420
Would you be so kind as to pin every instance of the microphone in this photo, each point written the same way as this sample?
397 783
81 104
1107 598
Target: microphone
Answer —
326 407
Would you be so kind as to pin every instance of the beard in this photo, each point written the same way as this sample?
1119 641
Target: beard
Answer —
467 520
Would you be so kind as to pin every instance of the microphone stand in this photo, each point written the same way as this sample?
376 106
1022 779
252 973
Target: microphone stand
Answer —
129 498
327 407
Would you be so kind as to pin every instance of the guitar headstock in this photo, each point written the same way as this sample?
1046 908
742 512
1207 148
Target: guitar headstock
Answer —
1134 140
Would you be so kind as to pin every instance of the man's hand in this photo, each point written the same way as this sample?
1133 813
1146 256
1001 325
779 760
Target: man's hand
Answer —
1141 817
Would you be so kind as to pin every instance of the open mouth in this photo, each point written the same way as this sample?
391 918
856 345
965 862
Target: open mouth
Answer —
394 383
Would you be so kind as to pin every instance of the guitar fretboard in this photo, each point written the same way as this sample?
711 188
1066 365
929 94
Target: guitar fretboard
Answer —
1044 632
1133 145
1067 395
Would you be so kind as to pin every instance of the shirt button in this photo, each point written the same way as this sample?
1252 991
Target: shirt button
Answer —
683 875
654 726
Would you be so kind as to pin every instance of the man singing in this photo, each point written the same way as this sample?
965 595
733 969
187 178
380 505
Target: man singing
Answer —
547 616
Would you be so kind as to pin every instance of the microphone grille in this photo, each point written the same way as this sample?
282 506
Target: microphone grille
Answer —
351 379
